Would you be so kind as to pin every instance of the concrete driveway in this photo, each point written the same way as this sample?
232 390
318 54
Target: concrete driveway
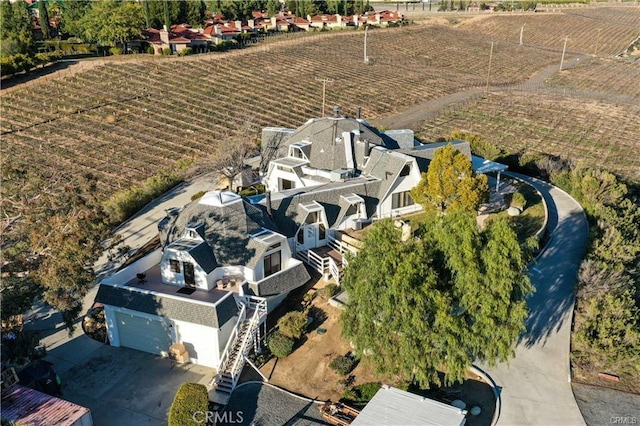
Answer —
123 386
535 385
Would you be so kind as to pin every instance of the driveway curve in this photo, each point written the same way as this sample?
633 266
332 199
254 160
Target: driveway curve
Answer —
535 386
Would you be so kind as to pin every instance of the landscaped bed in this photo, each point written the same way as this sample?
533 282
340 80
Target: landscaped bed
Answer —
306 370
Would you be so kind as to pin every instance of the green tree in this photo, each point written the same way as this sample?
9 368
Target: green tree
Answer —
450 183
272 7
195 13
52 238
43 18
437 302
110 22
72 13
16 35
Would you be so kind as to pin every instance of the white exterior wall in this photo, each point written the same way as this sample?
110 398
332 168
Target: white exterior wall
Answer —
177 278
271 180
402 184
200 341
140 266
285 257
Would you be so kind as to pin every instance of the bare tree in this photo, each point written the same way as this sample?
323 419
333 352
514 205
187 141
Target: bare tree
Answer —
230 161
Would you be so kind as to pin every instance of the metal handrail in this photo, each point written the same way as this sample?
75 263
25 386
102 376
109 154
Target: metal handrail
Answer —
234 334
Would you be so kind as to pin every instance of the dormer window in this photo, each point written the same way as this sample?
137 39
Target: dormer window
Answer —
174 265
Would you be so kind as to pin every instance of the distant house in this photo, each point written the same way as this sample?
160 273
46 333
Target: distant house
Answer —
178 38
391 406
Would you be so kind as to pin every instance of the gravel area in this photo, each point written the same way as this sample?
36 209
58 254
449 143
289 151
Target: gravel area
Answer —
258 404
602 406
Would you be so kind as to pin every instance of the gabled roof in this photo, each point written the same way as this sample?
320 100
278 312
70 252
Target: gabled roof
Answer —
385 165
327 146
288 216
227 227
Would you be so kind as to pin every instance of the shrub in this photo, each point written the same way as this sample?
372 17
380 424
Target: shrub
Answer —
125 204
115 51
166 51
330 290
185 52
280 345
151 50
342 365
191 397
197 195
293 324
518 200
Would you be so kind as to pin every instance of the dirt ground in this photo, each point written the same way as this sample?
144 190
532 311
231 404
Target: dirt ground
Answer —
306 371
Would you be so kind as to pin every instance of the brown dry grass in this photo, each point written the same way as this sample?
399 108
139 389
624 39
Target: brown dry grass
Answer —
306 371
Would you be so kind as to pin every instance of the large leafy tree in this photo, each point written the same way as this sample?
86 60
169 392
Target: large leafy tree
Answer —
450 183
110 22
50 239
437 302
16 35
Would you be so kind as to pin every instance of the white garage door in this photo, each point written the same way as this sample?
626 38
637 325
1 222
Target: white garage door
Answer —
144 334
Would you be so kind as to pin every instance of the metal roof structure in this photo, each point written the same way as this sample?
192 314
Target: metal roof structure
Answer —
26 406
480 165
391 406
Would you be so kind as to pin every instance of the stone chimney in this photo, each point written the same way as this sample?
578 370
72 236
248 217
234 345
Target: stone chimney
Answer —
164 35
238 25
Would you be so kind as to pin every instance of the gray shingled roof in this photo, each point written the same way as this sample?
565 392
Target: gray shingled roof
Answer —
226 229
283 282
288 217
386 166
180 309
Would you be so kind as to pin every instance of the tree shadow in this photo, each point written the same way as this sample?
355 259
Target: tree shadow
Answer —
554 276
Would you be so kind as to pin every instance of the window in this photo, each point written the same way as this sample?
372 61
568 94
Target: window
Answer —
405 170
401 199
301 236
283 168
174 265
311 218
273 246
272 264
285 184
323 232
353 209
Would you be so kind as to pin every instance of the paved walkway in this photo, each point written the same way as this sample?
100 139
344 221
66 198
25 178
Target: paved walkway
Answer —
535 385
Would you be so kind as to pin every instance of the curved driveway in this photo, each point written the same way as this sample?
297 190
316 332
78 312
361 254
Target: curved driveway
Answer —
535 385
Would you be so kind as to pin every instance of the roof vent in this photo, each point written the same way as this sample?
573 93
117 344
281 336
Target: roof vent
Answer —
336 111
219 198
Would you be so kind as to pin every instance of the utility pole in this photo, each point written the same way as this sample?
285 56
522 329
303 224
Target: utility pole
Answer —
366 58
564 49
597 42
489 70
324 90
521 33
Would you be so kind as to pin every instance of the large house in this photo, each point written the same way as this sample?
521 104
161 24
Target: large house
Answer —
226 261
